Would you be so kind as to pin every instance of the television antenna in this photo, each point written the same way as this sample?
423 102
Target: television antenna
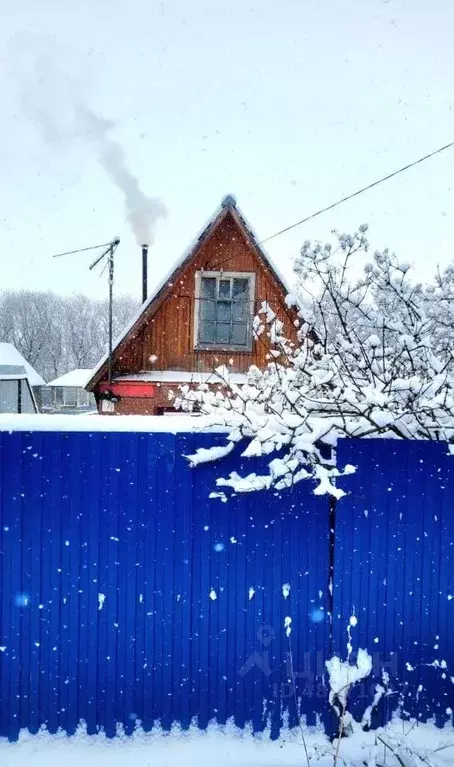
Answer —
108 254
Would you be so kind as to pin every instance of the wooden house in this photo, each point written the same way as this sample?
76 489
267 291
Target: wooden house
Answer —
199 318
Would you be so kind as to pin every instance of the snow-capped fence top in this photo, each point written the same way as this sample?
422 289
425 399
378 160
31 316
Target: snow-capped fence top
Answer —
174 424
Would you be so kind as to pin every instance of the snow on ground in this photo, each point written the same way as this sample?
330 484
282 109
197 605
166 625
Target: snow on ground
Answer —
223 747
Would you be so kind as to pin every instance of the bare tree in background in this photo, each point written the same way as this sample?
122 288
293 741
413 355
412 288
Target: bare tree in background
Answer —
56 334
83 332
32 322
125 307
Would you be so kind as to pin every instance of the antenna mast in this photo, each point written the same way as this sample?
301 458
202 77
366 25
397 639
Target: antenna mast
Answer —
108 253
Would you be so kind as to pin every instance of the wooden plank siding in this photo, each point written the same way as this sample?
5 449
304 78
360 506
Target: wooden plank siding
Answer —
168 333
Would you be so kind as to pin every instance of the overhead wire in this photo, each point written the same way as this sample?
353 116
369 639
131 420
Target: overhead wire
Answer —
358 192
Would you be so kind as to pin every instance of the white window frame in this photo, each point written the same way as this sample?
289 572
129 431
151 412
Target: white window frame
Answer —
66 391
247 348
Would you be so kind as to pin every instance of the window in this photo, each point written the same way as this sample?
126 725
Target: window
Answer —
70 396
46 396
224 308
9 396
26 401
15 397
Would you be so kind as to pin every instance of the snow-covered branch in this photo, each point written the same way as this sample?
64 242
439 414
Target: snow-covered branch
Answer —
374 357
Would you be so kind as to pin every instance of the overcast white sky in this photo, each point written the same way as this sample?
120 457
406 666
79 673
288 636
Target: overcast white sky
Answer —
288 104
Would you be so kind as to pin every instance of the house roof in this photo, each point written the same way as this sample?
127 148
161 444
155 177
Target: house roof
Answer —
77 378
12 372
10 357
228 205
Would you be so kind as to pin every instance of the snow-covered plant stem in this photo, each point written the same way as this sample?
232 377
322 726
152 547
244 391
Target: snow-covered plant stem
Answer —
288 633
340 733
370 356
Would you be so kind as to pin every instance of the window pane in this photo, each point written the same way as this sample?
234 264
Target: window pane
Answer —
46 397
223 334
240 311
69 396
27 402
240 288
208 287
207 332
239 334
9 396
224 289
207 309
224 311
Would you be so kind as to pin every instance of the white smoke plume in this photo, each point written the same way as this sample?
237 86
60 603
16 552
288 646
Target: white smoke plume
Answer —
142 212
55 102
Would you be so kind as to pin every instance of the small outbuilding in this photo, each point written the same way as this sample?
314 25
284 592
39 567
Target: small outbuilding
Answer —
67 393
18 382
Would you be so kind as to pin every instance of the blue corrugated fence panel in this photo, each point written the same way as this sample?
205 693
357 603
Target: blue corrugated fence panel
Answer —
12 601
129 594
394 570
244 552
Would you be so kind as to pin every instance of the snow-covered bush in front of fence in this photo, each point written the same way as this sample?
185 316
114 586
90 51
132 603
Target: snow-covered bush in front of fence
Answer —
373 357
393 746
343 675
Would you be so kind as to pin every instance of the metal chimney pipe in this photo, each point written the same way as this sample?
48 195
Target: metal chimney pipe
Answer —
144 272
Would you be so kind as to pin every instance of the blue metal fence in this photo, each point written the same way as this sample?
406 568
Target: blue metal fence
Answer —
394 569
128 595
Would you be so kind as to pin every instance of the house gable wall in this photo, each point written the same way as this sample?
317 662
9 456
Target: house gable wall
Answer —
168 333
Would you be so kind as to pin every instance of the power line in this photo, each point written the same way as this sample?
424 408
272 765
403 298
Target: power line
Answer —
355 194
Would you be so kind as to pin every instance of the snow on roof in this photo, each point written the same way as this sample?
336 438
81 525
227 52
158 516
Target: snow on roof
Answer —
12 372
228 202
181 376
120 423
76 378
10 356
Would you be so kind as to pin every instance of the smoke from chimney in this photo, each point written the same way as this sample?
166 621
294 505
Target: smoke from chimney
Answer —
142 212
54 102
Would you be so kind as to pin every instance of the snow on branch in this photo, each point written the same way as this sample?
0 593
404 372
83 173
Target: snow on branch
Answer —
206 454
372 356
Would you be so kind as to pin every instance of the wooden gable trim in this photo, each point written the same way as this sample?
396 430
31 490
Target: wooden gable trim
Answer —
165 291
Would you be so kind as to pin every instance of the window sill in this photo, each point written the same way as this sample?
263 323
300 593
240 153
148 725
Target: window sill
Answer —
227 349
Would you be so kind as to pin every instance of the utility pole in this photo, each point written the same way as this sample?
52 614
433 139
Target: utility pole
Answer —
111 282
109 254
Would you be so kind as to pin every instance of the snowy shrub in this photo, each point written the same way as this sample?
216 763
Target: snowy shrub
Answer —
373 358
343 675
393 745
